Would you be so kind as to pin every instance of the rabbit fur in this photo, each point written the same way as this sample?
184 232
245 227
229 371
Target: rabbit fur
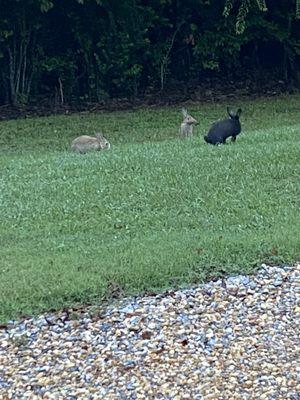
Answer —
84 144
221 130
186 128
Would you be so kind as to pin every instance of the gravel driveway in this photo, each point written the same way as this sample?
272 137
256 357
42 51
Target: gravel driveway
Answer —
237 338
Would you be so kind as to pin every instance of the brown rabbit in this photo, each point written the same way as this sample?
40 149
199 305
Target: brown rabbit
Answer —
84 144
186 128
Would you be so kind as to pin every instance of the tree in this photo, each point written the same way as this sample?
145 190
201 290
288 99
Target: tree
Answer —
90 50
244 7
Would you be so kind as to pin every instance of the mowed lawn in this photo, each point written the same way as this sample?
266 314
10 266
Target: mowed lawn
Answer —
153 212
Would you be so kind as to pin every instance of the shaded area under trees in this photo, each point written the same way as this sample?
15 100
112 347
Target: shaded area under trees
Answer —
94 50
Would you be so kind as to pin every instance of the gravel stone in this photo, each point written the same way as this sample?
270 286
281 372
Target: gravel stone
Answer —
231 339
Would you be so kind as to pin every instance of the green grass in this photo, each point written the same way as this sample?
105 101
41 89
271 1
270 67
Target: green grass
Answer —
151 213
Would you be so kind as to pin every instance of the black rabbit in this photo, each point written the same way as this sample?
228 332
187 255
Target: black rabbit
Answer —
221 130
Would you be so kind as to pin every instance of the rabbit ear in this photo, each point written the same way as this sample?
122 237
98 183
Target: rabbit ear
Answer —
184 112
230 113
99 136
239 112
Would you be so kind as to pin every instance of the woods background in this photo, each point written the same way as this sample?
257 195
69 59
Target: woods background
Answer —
91 50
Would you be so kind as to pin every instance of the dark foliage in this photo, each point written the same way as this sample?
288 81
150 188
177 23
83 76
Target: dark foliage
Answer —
92 50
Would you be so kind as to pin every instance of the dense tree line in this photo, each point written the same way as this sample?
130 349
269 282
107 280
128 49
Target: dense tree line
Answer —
89 50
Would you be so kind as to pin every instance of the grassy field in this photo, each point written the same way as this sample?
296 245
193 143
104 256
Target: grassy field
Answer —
151 213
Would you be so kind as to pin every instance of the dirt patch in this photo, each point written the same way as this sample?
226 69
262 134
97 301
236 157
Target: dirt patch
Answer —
207 92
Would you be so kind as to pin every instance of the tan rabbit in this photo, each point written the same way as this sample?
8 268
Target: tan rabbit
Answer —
186 128
84 144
